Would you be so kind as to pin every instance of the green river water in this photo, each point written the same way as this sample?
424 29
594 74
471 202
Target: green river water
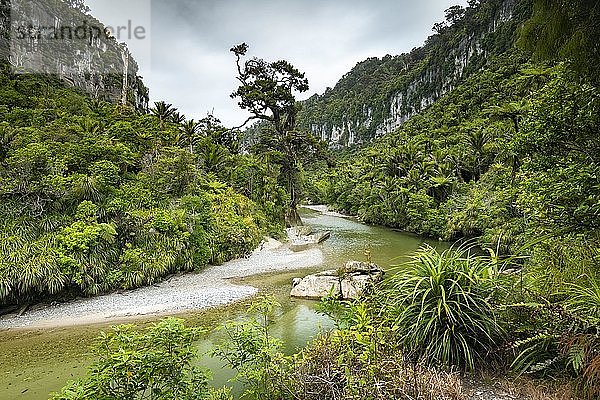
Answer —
34 363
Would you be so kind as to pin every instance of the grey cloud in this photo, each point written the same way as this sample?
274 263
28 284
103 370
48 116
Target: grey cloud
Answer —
193 69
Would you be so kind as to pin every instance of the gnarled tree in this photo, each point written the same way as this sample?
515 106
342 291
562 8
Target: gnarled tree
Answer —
267 92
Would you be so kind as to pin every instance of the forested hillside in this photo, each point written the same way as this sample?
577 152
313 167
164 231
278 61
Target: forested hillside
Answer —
380 94
507 161
472 163
508 154
96 197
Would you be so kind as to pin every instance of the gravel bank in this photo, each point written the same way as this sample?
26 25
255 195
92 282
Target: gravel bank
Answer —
187 292
325 211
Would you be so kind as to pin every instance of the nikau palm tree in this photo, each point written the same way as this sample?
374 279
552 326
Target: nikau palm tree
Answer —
163 111
187 134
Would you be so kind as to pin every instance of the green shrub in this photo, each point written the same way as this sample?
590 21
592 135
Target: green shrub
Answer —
561 260
238 225
156 363
255 354
442 307
556 327
554 342
82 236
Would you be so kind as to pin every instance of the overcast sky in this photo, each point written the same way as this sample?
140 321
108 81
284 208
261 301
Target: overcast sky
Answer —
185 59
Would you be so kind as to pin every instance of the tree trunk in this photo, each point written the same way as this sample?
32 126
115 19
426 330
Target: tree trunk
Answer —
292 218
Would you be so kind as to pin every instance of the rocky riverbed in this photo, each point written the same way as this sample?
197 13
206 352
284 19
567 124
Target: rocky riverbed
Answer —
187 292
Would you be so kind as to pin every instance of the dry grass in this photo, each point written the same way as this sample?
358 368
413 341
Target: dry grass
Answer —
539 390
331 369
524 388
324 372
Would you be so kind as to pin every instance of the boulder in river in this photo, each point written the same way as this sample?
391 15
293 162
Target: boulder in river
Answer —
349 282
303 237
299 231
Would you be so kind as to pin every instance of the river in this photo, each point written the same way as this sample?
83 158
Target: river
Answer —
39 360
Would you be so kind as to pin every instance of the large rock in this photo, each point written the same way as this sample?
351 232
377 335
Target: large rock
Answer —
317 286
303 237
349 282
299 231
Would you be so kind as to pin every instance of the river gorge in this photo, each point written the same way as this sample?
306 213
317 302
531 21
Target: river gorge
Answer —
48 346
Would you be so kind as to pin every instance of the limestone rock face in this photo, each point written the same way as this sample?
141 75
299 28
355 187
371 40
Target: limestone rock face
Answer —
349 282
426 79
98 65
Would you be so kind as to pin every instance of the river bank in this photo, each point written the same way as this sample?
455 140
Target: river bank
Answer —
323 209
211 287
216 285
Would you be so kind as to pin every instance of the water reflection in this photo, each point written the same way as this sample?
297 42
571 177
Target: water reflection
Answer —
349 240
296 324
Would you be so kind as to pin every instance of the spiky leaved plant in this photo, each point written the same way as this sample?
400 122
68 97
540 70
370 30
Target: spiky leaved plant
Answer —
441 305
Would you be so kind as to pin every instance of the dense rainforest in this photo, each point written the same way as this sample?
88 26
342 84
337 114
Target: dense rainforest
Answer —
498 152
97 197
509 155
508 160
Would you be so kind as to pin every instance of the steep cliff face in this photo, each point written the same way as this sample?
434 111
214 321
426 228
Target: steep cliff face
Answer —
97 64
379 95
